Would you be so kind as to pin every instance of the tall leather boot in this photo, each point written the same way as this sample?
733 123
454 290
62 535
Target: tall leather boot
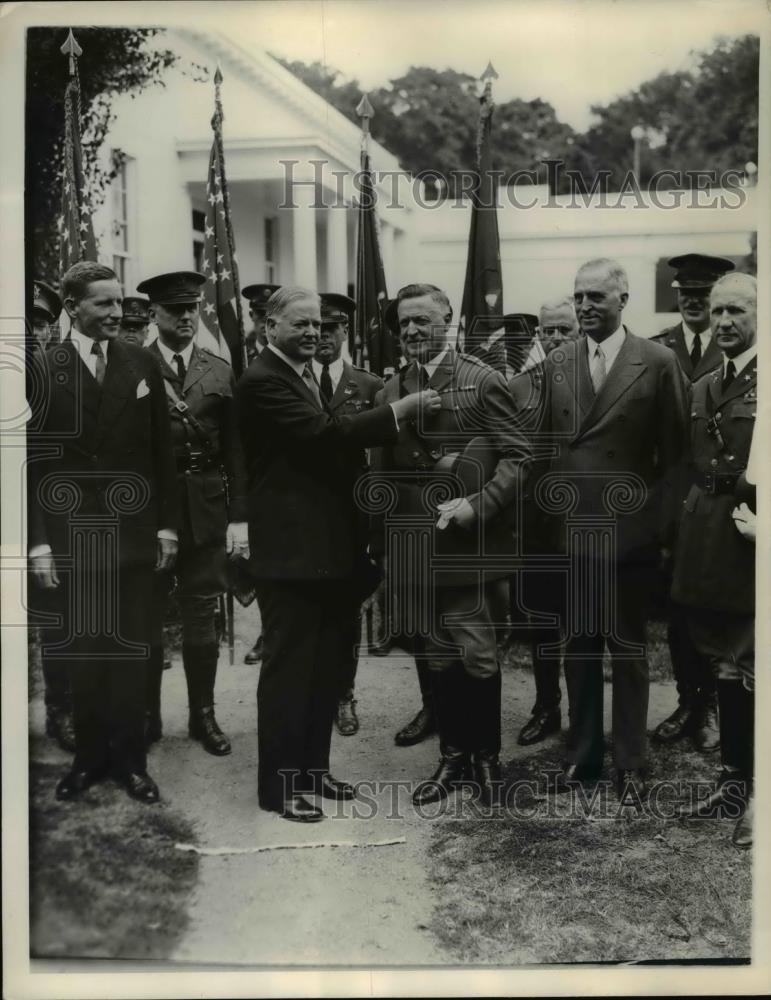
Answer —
200 671
153 719
742 835
484 720
731 792
448 688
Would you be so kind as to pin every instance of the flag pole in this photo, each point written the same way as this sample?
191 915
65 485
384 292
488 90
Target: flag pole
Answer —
216 124
360 355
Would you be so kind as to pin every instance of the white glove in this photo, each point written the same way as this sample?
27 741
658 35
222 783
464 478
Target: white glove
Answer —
237 539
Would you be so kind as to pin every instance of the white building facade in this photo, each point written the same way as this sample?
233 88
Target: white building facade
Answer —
292 162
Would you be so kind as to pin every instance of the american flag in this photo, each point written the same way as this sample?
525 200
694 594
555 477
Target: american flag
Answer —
76 230
221 329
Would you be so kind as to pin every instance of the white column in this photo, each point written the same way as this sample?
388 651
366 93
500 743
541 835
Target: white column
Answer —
337 249
304 237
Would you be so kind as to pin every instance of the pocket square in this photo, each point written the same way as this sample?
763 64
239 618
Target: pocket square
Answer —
142 389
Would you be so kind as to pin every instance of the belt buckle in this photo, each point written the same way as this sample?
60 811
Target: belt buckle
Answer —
195 457
709 482
181 406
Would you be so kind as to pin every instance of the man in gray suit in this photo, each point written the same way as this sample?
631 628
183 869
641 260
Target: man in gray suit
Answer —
616 414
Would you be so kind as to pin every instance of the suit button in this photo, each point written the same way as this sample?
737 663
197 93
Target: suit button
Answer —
416 454
713 463
718 415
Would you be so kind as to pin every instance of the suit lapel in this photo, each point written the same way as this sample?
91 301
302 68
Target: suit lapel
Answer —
298 383
579 377
710 359
410 381
443 372
119 385
742 383
627 368
79 383
677 342
198 367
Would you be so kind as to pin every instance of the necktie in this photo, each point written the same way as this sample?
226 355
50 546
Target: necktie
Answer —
101 364
599 370
312 384
326 383
729 375
177 359
696 350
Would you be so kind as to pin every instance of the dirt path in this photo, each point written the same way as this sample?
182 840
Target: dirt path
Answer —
326 906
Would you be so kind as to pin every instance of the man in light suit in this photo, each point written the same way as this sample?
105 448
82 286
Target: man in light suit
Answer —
345 389
303 461
697 352
616 412
102 519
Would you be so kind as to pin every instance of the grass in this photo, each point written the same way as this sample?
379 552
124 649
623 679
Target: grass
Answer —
564 885
105 878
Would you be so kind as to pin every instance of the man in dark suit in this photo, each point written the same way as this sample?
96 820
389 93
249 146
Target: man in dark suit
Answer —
211 480
616 414
714 576
538 591
345 389
303 462
455 593
257 295
697 352
102 519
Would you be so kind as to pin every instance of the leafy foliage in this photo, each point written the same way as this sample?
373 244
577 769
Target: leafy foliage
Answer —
114 60
705 118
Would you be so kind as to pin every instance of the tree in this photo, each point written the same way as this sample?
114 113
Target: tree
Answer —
114 61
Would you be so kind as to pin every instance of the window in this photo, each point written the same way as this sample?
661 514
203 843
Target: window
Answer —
121 218
199 224
271 250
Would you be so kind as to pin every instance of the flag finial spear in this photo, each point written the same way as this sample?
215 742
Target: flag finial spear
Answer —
218 75
489 73
365 111
71 49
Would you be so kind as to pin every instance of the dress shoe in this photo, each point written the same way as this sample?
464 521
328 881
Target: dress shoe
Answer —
295 808
329 787
742 836
452 771
631 787
60 727
255 653
76 782
706 731
573 774
675 726
727 799
421 727
346 720
140 786
488 777
542 723
203 726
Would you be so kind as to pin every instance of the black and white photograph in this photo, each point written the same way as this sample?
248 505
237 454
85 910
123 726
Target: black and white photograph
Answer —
382 498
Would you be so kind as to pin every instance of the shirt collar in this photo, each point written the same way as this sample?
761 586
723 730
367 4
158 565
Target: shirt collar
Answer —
168 354
335 368
610 346
741 360
434 363
297 366
690 334
84 343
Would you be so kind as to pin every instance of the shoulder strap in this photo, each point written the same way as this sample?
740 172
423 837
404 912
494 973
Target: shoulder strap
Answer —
188 419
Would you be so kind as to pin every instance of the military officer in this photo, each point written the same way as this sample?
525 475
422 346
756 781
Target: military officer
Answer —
257 296
345 389
697 352
714 573
211 487
46 309
135 324
465 595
